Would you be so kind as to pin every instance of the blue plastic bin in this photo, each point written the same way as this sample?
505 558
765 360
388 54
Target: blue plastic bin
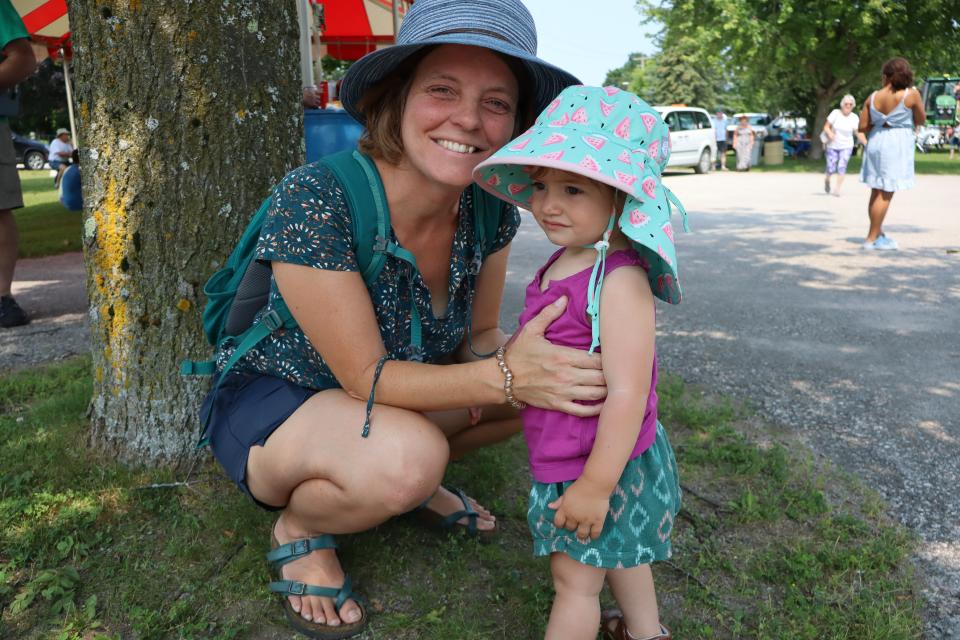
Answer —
327 131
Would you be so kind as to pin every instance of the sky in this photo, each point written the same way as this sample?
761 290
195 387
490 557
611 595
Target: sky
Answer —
587 40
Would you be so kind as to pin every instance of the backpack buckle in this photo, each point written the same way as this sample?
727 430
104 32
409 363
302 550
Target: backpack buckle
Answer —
272 320
380 243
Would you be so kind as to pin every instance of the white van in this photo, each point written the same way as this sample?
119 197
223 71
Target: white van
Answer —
693 142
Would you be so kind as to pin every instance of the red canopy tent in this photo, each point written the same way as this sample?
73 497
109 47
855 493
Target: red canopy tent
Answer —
352 28
47 23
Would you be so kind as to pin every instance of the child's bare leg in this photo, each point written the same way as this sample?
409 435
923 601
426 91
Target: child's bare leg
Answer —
635 594
576 608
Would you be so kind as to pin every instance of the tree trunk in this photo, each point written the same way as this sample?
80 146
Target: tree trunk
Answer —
823 109
188 113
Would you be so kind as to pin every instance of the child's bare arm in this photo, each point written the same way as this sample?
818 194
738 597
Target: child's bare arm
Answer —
627 329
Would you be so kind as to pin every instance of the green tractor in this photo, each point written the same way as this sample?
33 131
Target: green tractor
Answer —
940 94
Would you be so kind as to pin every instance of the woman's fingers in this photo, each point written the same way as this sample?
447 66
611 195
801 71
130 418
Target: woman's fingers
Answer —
580 410
538 325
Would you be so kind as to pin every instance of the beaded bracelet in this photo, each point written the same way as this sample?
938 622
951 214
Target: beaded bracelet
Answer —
507 379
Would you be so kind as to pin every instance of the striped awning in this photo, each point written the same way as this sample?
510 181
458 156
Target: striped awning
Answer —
353 28
46 22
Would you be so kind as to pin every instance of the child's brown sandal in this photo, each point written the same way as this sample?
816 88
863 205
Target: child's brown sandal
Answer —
619 632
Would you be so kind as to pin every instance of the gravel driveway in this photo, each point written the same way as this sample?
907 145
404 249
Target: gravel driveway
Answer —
855 353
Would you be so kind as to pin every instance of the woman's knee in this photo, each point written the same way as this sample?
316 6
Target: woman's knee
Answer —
413 470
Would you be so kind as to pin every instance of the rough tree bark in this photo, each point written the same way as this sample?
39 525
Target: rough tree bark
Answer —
188 112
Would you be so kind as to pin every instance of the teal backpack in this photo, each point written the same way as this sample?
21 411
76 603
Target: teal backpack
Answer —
238 291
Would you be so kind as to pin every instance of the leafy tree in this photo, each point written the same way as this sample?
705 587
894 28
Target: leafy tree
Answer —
803 55
687 73
188 113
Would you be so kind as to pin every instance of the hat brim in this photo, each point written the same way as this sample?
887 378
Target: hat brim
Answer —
645 218
546 79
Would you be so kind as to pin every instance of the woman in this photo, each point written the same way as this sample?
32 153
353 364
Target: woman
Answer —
743 139
888 119
840 127
452 91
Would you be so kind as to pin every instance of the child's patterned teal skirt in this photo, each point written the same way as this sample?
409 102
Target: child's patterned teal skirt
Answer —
637 530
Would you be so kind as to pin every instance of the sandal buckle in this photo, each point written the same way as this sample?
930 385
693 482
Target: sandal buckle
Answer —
301 547
297 588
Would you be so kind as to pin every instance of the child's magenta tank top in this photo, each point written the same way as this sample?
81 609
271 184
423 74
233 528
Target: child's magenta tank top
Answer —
559 443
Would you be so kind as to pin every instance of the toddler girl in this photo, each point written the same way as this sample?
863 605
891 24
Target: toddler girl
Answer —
605 490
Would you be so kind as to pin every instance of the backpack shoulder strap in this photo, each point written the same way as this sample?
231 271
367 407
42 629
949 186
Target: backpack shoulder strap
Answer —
367 201
487 212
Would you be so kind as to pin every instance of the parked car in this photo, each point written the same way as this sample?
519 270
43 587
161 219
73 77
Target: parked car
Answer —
761 123
693 142
31 153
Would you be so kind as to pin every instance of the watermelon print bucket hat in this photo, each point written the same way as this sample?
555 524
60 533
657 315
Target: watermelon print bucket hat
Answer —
610 136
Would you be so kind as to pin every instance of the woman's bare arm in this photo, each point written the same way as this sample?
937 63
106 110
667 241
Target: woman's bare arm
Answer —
486 335
865 117
335 312
915 103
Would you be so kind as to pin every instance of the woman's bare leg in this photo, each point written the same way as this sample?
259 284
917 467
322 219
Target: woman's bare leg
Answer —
836 187
332 480
497 423
877 210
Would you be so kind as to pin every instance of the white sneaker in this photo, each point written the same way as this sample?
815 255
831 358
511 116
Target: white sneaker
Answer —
869 246
884 243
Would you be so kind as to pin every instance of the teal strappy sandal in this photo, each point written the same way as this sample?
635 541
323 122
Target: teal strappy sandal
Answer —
449 522
281 554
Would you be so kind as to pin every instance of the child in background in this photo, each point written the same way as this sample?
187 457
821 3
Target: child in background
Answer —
605 490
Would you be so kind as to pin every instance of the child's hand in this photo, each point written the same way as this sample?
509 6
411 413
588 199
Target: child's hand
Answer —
582 508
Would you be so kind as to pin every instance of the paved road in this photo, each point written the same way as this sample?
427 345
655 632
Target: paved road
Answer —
855 353
52 291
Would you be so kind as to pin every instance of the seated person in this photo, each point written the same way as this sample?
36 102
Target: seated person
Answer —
61 152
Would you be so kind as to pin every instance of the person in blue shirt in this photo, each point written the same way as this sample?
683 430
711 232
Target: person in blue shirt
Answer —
720 129
70 194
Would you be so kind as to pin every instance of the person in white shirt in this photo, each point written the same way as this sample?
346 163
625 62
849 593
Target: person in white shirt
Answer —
840 127
60 153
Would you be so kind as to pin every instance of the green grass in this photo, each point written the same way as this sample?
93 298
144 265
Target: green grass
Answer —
46 226
767 545
931 163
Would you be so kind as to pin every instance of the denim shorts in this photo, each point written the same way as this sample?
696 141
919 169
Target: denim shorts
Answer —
247 408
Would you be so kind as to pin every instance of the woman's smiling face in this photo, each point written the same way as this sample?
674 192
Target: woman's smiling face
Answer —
461 107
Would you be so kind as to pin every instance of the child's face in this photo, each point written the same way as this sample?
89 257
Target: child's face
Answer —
572 210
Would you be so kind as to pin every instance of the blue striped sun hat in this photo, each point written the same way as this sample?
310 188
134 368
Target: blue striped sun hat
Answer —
504 26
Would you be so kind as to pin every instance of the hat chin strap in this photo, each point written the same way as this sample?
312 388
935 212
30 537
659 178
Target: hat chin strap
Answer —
596 281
